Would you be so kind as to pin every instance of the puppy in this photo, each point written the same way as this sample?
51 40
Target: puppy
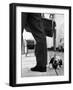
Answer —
56 62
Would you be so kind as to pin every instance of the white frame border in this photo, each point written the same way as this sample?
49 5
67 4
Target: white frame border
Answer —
41 79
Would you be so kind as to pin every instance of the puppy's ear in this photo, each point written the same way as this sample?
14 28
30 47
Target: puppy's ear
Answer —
51 61
60 62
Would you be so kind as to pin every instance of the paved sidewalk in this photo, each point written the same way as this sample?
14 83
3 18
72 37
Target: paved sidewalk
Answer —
30 61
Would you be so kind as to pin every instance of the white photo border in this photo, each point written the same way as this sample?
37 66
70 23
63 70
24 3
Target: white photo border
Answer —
26 80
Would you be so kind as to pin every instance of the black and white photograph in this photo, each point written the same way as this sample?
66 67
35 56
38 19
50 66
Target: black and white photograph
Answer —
41 44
